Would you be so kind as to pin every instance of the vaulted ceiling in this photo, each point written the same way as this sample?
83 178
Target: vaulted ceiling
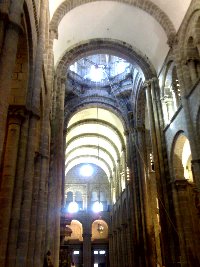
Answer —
146 25
96 135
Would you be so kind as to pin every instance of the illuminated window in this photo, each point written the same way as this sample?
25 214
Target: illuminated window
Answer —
102 252
96 74
96 252
97 207
96 265
86 170
73 207
76 252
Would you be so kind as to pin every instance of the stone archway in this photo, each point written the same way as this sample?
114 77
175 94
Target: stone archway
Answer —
119 48
147 6
181 158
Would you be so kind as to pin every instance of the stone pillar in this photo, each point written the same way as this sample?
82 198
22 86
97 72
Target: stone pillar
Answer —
59 162
34 223
33 139
26 205
115 253
87 259
84 201
17 197
130 248
196 171
133 216
192 70
8 177
7 63
39 248
155 118
184 224
117 182
124 246
119 248
4 11
111 252
51 80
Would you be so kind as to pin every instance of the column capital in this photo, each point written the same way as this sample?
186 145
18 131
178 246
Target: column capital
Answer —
147 84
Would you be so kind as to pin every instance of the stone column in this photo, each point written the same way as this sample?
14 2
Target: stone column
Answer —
155 118
84 201
59 162
4 11
33 139
130 248
192 70
34 223
119 248
111 252
87 259
124 246
115 249
39 248
133 217
52 182
16 114
17 197
184 224
117 182
7 63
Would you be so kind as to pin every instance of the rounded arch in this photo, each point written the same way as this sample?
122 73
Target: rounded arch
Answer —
197 30
69 113
29 28
90 159
170 91
104 45
188 34
77 231
101 123
181 157
85 138
99 229
146 5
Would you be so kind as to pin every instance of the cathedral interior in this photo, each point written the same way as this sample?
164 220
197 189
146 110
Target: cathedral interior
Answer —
100 133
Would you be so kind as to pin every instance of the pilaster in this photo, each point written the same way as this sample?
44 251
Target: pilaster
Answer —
87 249
7 63
15 117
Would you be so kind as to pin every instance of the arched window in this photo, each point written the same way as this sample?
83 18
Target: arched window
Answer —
193 60
171 93
182 158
